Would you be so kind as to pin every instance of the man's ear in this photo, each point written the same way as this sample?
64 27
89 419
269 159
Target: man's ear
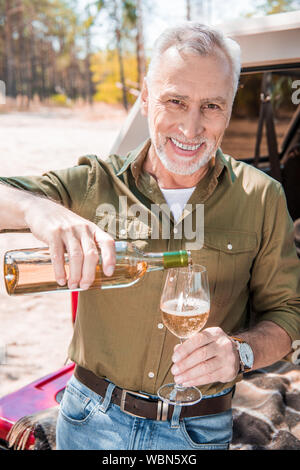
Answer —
144 98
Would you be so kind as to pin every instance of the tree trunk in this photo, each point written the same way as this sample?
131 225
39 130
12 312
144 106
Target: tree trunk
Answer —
43 92
141 62
31 63
24 70
88 75
10 88
121 65
188 10
120 53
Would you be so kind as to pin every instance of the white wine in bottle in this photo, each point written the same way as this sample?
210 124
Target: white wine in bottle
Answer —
30 271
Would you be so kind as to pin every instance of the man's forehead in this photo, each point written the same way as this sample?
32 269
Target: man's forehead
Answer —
178 67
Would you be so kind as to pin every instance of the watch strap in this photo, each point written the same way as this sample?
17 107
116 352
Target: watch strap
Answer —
237 342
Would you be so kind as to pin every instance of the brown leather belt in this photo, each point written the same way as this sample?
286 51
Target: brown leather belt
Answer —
141 405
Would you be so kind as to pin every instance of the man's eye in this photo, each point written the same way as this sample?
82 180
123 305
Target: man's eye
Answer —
212 106
174 101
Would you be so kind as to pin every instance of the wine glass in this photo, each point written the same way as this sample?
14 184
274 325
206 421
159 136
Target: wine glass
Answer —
185 306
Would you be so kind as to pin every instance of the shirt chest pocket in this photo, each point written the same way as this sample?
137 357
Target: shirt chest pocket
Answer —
122 227
228 257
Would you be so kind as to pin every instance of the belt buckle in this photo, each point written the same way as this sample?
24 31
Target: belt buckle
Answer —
162 407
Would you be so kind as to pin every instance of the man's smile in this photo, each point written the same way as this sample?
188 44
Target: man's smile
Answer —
184 149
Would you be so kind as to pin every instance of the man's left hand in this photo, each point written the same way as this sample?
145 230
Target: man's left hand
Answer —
207 357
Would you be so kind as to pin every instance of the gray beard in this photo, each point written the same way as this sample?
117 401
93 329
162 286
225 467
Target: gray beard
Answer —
184 168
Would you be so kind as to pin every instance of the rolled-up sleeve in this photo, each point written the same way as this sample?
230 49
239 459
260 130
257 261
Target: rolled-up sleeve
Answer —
68 187
275 279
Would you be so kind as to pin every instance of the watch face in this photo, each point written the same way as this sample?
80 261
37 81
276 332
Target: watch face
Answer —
246 355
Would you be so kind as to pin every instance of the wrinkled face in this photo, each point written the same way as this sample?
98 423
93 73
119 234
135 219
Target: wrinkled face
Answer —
188 103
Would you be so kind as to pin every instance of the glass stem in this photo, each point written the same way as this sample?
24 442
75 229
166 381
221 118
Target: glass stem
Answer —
180 387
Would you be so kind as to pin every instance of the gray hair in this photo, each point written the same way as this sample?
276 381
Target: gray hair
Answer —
197 38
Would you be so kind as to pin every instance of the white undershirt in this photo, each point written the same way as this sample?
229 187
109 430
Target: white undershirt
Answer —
177 199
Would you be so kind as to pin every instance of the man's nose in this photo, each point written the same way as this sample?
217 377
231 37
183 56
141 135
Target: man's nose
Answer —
191 124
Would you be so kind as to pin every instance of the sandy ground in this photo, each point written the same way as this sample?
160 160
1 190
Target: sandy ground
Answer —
35 330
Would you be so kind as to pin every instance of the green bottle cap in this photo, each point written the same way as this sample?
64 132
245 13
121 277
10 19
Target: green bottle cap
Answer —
176 259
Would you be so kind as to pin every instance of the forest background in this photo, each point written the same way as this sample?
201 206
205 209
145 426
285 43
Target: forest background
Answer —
65 52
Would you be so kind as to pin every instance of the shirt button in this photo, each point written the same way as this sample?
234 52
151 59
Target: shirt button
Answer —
151 375
175 230
123 231
160 326
229 246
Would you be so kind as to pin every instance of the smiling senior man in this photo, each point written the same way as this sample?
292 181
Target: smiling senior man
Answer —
122 351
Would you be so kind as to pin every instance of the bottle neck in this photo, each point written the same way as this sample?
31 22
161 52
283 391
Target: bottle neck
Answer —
166 260
155 261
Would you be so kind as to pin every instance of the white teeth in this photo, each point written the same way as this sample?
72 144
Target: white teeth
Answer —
184 146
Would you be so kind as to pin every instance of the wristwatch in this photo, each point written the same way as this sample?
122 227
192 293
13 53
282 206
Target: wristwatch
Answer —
245 353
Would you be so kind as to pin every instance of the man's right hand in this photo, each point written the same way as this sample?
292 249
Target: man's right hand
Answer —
66 232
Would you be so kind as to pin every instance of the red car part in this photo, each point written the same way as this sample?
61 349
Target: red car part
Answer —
39 395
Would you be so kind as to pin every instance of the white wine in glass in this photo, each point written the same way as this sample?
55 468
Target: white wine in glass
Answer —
185 306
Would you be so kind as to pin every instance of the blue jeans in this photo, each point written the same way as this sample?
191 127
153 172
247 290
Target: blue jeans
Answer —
87 421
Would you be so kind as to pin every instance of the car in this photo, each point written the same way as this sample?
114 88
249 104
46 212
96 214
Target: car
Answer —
268 96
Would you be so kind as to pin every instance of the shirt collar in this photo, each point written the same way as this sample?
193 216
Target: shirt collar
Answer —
136 159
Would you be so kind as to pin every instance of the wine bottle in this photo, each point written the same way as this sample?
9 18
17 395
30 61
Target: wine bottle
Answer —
30 271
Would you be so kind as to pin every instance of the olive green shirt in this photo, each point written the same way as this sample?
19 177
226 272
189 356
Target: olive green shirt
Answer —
248 251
